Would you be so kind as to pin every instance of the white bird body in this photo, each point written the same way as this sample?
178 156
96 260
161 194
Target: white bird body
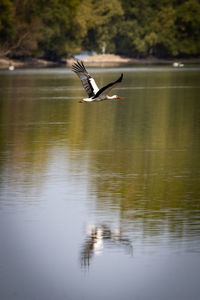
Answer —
102 98
178 65
90 86
11 68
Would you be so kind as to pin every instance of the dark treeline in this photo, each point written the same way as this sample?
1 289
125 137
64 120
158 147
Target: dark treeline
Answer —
54 29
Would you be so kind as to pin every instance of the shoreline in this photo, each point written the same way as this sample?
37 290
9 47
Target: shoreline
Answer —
25 63
107 60
112 60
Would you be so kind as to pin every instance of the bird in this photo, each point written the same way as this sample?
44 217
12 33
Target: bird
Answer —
11 67
178 65
90 86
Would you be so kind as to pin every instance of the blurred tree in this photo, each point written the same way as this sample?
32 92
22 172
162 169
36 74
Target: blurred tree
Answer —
6 19
54 29
60 38
102 19
24 30
188 27
161 28
39 28
134 28
7 30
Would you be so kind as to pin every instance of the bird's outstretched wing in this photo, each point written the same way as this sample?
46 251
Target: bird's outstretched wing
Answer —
106 89
88 82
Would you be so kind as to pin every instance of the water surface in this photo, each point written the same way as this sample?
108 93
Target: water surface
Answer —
100 200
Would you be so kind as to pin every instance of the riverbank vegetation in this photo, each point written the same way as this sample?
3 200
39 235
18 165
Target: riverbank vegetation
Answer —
56 29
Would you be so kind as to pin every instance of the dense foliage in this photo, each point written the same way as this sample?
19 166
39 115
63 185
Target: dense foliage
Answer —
54 29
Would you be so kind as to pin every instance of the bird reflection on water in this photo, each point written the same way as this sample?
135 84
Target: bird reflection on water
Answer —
100 236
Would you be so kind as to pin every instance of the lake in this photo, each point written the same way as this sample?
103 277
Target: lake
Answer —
100 200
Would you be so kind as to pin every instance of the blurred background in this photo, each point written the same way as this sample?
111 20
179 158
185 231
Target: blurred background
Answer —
54 30
100 200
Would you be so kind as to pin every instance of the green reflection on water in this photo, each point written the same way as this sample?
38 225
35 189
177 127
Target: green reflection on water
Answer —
142 152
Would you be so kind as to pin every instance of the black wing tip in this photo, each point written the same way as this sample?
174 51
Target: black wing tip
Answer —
78 63
120 78
78 66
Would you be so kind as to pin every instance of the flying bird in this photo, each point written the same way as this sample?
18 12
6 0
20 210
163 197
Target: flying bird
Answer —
90 86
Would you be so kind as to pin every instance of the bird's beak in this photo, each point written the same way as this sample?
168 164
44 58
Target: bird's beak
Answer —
120 97
82 101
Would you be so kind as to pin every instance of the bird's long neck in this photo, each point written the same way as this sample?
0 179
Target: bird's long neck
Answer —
111 97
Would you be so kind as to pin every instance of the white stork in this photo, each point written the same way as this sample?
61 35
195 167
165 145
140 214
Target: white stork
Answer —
94 93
